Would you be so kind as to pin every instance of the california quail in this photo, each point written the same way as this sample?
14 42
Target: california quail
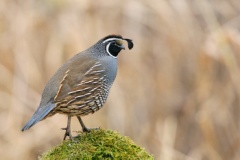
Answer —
81 85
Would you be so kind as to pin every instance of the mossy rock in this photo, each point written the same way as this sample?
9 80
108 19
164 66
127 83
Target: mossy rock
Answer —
98 144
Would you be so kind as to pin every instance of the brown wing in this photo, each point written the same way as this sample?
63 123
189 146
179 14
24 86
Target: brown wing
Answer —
81 84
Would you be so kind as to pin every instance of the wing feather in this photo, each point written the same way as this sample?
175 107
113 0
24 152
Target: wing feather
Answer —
74 88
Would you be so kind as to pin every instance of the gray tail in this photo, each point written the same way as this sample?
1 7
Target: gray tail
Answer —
41 113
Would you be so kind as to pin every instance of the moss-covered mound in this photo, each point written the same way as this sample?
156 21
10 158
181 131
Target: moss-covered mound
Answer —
98 144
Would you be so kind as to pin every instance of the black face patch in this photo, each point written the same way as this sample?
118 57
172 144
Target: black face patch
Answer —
114 48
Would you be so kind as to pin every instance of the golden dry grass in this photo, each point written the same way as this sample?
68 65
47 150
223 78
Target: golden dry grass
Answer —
176 94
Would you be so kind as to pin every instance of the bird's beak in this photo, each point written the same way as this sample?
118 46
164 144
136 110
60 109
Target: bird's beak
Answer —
122 47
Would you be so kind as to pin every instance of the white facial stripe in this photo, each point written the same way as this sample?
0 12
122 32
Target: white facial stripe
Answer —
107 49
111 39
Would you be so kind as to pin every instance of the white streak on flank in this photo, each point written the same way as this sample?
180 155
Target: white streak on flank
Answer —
80 90
111 39
75 98
107 49
97 78
95 88
86 82
88 101
97 64
71 101
83 105
96 82
98 71
82 95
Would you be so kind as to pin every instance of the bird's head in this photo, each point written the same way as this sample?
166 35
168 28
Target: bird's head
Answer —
113 44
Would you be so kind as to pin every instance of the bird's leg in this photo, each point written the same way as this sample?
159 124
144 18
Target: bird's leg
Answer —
68 129
84 128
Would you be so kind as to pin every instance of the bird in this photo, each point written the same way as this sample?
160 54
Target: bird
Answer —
82 84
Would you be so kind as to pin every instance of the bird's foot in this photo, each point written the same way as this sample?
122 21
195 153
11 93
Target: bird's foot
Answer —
85 129
68 134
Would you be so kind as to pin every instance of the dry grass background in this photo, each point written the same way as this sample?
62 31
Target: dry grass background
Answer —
176 94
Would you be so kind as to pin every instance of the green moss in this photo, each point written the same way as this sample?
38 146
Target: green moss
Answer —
98 144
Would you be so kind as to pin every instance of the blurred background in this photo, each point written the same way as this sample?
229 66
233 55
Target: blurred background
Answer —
177 93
